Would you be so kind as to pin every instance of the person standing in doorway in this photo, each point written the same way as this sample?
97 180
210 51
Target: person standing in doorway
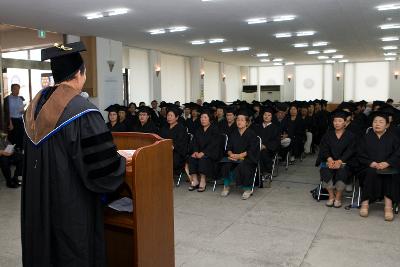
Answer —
13 110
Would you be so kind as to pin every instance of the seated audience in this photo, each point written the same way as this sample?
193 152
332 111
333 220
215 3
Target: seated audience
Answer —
379 155
145 124
243 154
228 125
178 133
113 119
205 154
337 151
7 159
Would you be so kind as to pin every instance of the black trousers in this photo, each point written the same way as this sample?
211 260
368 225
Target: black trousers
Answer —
203 166
376 186
16 136
243 171
266 160
6 163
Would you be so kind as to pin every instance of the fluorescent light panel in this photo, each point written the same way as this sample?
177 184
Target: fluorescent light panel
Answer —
178 29
216 41
265 60
330 51
257 21
301 45
338 56
323 57
198 42
389 54
108 13
330 61
317 44
390 47
313 52
289 63
305 33
94 16
344 61
390 26
388 7
116 12
226 50
283 35
390 58
278 64
283 18
278 60
262 55
390 39
157 31
243 48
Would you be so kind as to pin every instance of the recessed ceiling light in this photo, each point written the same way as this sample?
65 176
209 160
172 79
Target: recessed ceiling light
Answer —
278 64
305 33
283 18
330 51
289 63
216 41
390 47
390 26
157 31
323 57
198 42
178 29
283 35
264 60
94 16
388 7
316 44
390 58
344 61
262 55
301 45
330 61
116 12
226 50
390 54
278 60
257 21
338 56
243 48
313 52
390 39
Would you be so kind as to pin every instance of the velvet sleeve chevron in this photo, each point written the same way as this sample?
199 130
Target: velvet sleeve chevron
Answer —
102 168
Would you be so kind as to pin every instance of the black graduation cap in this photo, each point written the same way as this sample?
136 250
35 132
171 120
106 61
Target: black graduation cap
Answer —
145 109
391 111
65 60
281 107
175 109
347 105
361 103
323 102
379 113
268 109
256 103
163 104
339 113
378 103
112 108
122 108
230 109
243 112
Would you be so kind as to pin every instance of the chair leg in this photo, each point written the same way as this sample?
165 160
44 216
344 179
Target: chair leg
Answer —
179 180
254 181
215 184
319 191
260 181
277 166
287 161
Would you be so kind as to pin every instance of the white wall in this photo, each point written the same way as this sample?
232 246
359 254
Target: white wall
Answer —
233 83
173 78
139 81
212 89
109 84
271 75
309 82
371 81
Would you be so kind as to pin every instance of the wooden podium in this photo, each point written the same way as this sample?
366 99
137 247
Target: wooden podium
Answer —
146 236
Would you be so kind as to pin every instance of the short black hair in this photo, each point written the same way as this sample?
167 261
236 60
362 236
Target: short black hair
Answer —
15 84
81 71
389 100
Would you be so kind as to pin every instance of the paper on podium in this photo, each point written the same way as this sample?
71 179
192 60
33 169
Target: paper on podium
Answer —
124 205
127 154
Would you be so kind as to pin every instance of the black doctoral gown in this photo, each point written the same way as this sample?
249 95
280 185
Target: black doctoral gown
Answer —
244 170
148 127
70 159
343 149
179 136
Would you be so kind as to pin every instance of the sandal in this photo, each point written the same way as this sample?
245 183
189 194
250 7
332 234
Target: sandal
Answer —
364 210
330 203
194 187
201 189
388 214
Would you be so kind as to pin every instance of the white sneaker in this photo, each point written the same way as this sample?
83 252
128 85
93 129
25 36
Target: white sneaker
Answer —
247 194
225 191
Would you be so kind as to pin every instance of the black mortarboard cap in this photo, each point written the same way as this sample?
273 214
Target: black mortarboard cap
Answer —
65 60
145 109
244 112
230 109
379 114
347 105
339 113
174 108
281 107
268 109
163 104
112 108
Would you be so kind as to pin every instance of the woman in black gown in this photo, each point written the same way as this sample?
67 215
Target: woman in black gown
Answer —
113 120
296 132
145 124
243 153
379 155
336 157
205 154
178 133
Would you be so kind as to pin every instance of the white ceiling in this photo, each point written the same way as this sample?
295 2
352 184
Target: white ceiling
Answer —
351 26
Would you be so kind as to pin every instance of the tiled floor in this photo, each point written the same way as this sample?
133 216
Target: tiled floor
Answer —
281 226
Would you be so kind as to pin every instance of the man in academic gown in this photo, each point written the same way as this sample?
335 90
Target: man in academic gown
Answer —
70 159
